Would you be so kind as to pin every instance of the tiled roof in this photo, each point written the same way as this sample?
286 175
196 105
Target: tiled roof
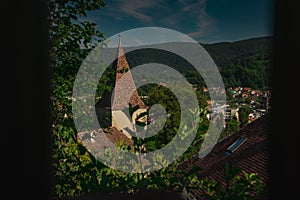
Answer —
252 156
97 140
125 87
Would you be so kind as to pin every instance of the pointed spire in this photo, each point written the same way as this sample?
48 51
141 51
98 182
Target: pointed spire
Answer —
127 86
120 44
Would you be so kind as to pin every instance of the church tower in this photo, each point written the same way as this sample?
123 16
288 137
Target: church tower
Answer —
125 95
113 104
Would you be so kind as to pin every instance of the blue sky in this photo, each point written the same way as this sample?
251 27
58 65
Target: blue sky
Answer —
206 21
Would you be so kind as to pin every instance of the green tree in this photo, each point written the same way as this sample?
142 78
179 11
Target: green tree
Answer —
238 185
247 100
244 112
75 171
231 127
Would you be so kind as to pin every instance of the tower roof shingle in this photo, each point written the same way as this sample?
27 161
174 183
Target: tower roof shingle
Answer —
124 85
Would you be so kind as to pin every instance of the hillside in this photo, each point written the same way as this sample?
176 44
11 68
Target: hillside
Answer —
244 63
225 52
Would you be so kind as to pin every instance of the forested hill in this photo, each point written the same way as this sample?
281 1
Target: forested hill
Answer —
225 52
244 63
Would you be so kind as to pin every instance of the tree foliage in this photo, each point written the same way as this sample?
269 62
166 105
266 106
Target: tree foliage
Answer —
239 185
246 63
244 112
76 171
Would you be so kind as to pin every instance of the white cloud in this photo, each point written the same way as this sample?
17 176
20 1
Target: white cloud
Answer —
205 23
190 12
196 14
134 8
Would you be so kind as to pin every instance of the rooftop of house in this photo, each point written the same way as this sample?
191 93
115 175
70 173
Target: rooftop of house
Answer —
251 153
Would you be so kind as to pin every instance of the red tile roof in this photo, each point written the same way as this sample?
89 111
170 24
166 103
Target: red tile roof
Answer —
247 88
252 156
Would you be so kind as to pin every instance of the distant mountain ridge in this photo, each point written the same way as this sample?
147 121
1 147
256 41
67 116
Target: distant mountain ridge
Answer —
223 52
245 63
